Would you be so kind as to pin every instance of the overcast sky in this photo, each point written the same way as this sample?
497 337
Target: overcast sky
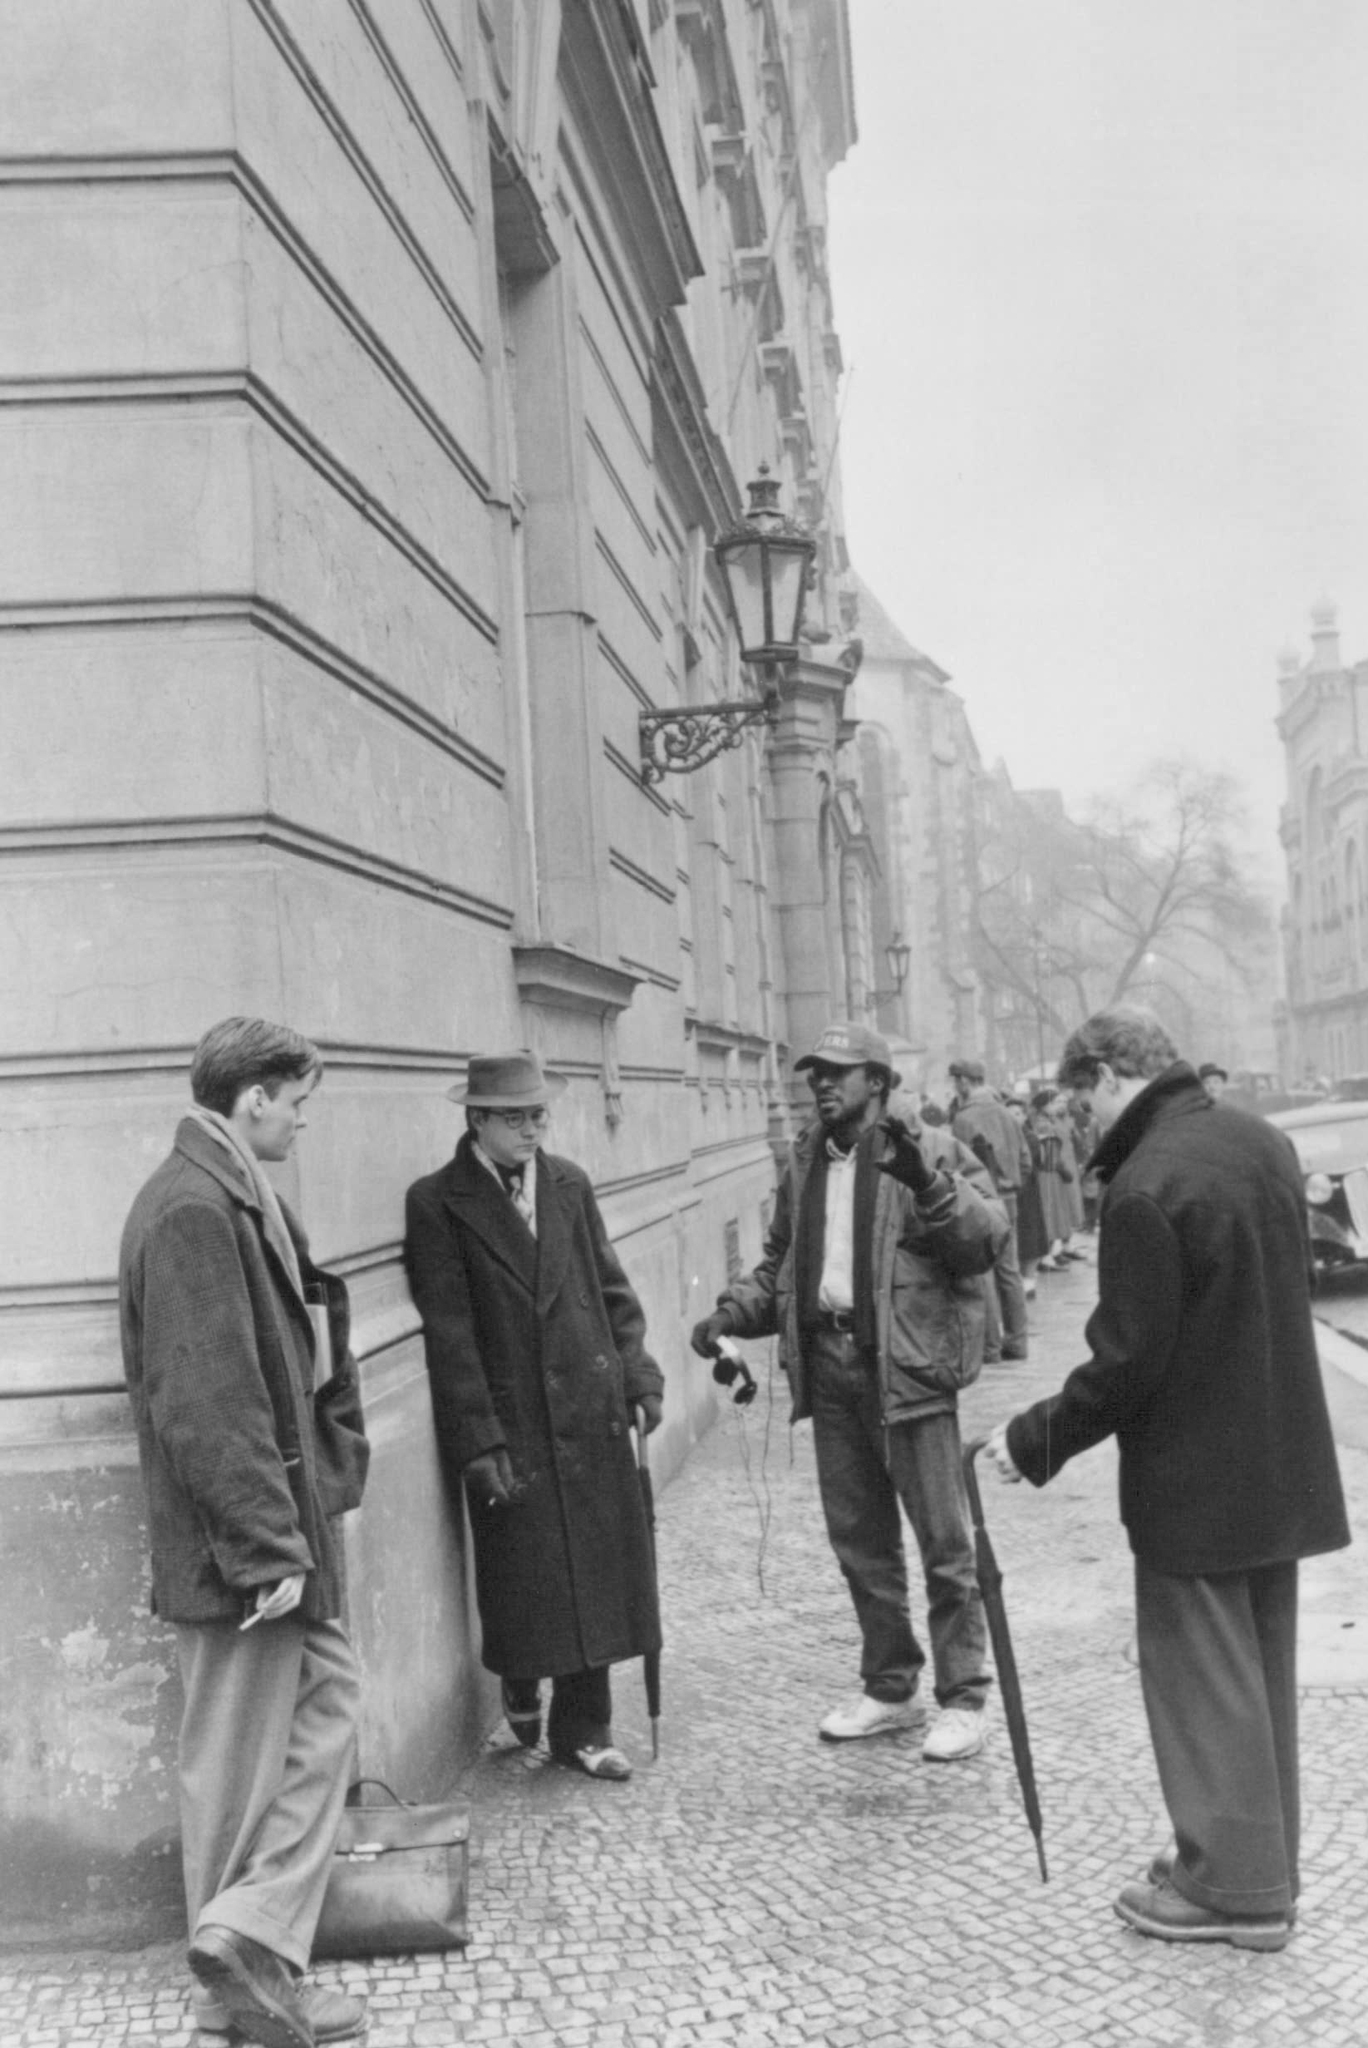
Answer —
1102 288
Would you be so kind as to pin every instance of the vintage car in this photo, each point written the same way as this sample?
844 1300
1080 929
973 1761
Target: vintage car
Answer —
1332 1144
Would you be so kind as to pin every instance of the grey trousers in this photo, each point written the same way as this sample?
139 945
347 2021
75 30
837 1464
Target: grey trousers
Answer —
1005 1295
863 1472
1218 1665
265 1749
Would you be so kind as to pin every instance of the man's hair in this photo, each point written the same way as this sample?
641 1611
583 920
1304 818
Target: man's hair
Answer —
244 1052
1132 1042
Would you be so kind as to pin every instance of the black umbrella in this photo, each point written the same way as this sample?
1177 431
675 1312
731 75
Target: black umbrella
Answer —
990 1585
651 1661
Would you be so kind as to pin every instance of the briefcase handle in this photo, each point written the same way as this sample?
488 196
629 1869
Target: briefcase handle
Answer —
357 1783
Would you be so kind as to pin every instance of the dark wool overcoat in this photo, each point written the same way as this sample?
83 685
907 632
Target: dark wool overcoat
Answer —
1203 1358
536 1346
243 1463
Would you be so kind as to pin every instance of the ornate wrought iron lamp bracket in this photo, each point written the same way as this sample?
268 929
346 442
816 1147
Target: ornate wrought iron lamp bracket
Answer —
677 742
765 564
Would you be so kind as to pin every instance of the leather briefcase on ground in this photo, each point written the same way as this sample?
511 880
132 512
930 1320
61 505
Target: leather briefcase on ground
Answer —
398 1879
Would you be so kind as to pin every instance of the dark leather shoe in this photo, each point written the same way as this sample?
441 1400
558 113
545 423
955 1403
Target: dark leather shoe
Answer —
334 2015
254 1987
1161 1872
522 1709
1158 1910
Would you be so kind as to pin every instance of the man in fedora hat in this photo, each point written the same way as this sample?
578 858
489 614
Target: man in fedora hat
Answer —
872 1278
537 1360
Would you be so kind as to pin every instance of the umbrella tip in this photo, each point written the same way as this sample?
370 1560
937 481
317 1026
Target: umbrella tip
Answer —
655 1741
1040 1853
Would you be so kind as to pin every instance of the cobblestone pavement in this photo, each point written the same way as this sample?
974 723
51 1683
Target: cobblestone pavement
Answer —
757 1886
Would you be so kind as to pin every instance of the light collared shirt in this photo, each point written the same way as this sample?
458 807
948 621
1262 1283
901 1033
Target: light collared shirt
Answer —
837 1290
524 1199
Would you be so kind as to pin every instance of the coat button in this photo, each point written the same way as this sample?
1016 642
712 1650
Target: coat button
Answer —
584 1301
615 1429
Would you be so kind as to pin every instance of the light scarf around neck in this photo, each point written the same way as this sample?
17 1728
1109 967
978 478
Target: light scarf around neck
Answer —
273 1216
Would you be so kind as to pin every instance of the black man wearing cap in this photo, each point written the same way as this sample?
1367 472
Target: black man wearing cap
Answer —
537 1359
872 1276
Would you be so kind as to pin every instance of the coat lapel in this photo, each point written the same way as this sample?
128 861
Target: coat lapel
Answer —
195 1143
555 1233
480 1205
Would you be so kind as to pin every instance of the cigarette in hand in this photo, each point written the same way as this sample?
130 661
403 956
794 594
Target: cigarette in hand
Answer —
253 1618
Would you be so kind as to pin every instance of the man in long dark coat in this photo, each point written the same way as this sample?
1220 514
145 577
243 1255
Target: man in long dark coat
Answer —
536 1355
1204 1368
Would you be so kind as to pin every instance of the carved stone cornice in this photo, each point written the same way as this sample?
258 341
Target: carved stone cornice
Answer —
558 978
521 233
609 85
1348 784
811 706
725 1037
703 31
688 442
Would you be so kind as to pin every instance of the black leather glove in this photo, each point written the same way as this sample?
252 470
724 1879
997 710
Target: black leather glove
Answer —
705 1334
903 1161
490 1480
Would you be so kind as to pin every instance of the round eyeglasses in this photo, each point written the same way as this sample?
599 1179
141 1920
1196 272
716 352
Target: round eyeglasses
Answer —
517 1118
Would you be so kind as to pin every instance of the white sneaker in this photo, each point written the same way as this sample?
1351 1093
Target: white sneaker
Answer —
866 1716
958 1733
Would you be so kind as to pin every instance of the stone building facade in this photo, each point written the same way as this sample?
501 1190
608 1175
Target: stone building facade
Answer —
1323 724
922 785
377 376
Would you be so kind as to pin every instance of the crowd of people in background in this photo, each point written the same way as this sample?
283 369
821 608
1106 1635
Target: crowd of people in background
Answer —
1055 1197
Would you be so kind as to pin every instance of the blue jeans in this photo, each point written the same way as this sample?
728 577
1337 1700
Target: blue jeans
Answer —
863 1472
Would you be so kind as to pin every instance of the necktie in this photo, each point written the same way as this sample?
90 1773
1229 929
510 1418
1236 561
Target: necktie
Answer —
513 1181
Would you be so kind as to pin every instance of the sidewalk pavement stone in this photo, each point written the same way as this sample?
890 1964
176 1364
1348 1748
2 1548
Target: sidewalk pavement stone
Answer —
756 1886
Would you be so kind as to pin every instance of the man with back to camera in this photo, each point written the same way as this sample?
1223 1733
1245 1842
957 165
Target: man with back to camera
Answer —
537 1360
872 1278
1204 1367
245 1466
992 1133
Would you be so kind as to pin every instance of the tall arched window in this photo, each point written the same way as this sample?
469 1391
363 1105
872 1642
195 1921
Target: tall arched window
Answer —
1317 894
1353 905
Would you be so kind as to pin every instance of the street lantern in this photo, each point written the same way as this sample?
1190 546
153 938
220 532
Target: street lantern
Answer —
764 563
899 957
898 954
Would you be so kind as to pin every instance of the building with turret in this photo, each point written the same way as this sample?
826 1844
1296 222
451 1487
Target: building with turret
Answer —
1323 724
923 786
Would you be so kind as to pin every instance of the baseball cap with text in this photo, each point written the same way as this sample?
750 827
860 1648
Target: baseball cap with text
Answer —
849 1045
